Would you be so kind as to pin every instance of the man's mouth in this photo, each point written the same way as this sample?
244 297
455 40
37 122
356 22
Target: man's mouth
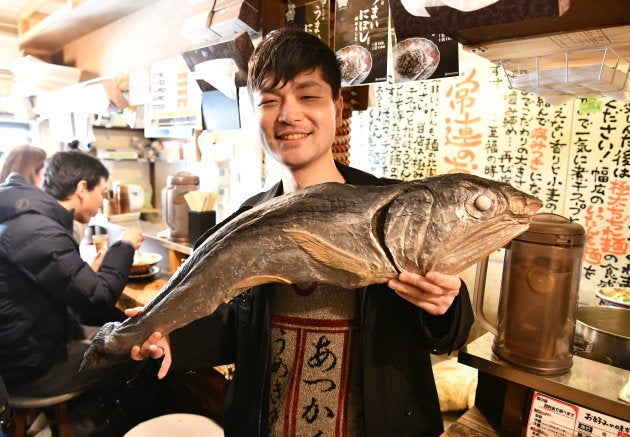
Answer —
289 137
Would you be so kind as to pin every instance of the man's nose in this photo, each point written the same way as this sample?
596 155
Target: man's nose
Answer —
290 111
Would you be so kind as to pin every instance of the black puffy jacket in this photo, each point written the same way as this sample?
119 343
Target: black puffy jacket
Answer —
397 338
45 286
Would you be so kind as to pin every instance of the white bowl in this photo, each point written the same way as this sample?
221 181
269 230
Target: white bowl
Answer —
614 296
171 425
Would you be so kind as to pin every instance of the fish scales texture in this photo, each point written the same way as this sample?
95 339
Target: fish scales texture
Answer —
345 235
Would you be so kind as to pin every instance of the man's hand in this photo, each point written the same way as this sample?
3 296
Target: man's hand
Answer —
98 259
434 292
156 346
133 235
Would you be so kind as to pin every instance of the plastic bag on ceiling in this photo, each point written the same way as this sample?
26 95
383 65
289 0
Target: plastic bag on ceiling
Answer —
220 73
418 7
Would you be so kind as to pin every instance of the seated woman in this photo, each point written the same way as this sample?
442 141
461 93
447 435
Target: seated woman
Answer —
26 160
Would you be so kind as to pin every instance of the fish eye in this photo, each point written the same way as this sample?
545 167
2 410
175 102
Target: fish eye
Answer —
483 203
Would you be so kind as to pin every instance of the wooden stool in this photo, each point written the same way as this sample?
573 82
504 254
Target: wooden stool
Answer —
26 410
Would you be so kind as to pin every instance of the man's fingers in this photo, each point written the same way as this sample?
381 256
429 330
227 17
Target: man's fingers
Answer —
445 281
133 312
135 353
166 364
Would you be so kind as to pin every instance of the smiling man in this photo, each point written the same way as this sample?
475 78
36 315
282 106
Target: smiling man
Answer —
312 359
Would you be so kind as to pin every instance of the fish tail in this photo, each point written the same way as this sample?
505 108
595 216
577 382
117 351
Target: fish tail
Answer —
97 354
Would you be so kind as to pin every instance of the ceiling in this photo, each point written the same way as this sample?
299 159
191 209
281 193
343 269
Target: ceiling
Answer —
8 14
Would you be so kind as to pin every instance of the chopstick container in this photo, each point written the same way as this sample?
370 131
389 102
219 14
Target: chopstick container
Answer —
199 222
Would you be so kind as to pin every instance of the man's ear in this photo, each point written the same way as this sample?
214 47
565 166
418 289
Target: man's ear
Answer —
82 189
338 111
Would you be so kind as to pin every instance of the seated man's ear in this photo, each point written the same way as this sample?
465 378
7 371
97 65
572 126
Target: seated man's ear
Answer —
82 188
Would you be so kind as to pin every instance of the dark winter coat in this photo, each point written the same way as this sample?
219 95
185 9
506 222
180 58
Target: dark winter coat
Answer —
45 286
396 340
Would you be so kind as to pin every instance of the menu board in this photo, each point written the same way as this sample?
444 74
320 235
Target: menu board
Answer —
361 33
575 157
175 100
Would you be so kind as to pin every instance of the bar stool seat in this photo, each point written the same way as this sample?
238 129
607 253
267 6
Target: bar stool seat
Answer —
27 408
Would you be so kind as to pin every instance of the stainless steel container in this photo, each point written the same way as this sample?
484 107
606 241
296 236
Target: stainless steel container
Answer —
176 209
607 329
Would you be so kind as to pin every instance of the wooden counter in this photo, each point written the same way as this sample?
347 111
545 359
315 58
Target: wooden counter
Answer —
140 292
174 252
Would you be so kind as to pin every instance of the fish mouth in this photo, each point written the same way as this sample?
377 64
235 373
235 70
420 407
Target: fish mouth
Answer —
523 207
478 242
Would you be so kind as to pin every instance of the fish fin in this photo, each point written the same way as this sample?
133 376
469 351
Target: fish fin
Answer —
327 254
258 280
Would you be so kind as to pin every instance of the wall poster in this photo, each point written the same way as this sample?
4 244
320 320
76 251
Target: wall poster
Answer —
314 18
361 34
575 156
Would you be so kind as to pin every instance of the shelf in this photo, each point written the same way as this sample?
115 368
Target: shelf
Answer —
579 73
617 38
561 66
578 385
46 26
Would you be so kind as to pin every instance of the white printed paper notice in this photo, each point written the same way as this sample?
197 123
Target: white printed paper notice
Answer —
549 416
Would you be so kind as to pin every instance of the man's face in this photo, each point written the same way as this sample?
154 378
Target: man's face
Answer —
90 202
298 119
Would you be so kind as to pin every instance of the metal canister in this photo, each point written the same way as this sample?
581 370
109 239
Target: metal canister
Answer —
539 295
175 208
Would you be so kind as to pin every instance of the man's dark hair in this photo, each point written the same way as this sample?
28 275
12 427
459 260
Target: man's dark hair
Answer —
66 169
285 53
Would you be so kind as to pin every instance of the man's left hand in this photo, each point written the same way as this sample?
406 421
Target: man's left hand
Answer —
434 292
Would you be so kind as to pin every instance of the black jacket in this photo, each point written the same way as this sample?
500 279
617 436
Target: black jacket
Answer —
397 339
44 283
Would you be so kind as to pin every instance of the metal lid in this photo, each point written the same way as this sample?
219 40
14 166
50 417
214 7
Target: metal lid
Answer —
182 178
554 229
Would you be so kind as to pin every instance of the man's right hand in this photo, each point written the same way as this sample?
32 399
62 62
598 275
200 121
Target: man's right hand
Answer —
133 235
156 346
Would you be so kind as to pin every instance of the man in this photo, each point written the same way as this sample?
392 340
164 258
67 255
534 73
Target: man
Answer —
311 359
46 289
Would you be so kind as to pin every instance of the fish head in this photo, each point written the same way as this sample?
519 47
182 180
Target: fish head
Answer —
450 222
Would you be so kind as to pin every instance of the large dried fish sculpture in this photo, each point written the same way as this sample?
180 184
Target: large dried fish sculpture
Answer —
345 235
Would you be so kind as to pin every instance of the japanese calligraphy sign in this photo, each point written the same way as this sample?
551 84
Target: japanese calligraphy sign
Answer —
314 18
577 162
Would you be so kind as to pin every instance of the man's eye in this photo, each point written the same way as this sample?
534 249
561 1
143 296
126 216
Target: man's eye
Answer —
267 102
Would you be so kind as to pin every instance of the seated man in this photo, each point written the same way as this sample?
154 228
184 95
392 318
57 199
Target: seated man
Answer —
46 289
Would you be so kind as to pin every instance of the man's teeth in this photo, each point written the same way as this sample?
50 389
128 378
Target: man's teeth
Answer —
292 136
